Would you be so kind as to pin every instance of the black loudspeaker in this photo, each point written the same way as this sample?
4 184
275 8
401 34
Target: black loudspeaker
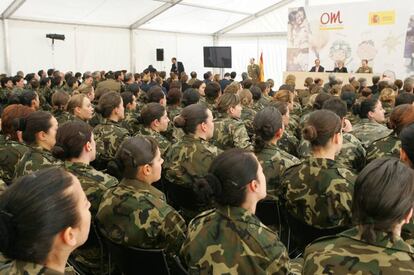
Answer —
160 54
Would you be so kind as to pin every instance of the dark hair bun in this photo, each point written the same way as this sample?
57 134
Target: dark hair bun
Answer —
207 188
59 151
20 124
179 122
140 120
6 231
98 109
310 133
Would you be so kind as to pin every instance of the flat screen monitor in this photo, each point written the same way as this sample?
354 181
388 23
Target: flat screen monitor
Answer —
217 57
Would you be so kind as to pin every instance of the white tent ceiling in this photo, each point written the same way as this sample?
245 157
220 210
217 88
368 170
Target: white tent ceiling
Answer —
185 16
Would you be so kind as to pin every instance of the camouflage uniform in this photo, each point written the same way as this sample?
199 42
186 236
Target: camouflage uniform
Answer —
230 133
263 101
136 214
172 134
388 146
173 111
130 122
189 159
352 154
387 108
368 131
108 136
354 119
21 267
10 153
319 192
253 70
257 106
163 143
94 183
3 186
347 253
289 143
212 106
247 116
5 93
96 120
231 240
61 116
274 162
34 159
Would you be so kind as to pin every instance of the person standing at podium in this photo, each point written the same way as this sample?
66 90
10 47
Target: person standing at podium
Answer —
317 68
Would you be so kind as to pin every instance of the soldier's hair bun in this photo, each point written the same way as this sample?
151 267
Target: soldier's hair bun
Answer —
140 120
179 121
266 123
207 188
20 124
59 151
310 133
98 109
7 230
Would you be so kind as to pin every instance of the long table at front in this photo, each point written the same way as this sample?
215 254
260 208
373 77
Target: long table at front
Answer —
301 76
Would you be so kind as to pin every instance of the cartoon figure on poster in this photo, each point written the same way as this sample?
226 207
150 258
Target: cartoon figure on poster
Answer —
409 46
340 50
297 60
298 29
318 39
366 50
298 40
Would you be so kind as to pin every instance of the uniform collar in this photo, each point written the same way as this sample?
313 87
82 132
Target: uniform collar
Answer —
21 267
143 187
77 165
237 214
383 239
321 162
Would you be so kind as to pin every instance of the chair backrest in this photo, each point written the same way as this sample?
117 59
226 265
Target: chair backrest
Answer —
182 196
303 233
268 212
131 260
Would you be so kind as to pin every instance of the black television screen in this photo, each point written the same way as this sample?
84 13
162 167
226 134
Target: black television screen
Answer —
217 57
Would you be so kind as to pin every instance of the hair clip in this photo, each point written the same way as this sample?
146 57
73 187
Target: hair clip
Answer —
8 214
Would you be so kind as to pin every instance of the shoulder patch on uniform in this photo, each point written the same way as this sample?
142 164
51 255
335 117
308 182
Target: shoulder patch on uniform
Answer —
346 174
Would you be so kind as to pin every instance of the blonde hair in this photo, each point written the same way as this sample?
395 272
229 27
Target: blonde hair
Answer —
226 101
283 96
85 89
75 101
246 97
290 80
387 96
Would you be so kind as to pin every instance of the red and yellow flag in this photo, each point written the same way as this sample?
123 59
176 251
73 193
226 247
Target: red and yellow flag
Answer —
261 75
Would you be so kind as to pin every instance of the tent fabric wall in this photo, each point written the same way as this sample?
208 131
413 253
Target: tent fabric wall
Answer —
2 56
274 54
187 48
85 48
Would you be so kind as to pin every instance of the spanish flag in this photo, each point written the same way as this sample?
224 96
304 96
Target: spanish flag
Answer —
261 66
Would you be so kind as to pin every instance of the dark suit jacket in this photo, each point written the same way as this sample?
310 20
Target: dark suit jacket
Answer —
178 70
342 70
320 69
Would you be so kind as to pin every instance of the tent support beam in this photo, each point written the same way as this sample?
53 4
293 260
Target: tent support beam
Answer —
6 53
132 51
12 8
32 20
256 34
208 7
254 16
154 13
